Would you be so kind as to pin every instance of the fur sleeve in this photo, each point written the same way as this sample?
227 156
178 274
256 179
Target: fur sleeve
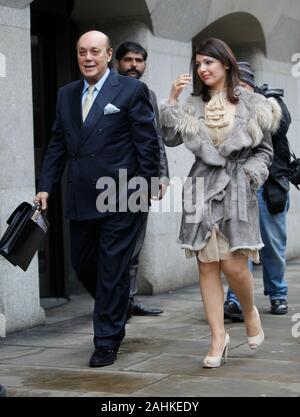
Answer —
170 114
276 114
265 115
180 125
257 165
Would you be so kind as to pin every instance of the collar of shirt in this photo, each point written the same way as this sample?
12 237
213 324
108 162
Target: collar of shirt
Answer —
98 86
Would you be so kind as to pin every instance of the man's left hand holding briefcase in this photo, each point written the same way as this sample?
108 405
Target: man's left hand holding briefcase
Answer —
27 226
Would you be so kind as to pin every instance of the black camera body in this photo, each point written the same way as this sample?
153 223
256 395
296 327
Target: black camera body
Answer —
294 176
270 92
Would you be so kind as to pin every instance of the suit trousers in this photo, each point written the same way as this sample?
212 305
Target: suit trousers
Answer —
134 261
101 250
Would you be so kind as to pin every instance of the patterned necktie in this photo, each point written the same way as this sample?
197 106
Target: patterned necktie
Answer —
88 102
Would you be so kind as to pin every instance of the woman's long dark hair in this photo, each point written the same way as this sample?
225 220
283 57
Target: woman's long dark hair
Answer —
217 49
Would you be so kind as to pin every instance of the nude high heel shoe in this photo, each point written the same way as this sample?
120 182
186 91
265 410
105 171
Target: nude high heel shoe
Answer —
217 361
255 341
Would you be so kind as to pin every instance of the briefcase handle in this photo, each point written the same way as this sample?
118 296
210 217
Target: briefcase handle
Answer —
23 206
37 206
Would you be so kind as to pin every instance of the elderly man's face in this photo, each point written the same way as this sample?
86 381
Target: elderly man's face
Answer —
93 56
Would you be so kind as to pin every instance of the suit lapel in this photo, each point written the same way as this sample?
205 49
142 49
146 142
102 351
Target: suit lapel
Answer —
108 92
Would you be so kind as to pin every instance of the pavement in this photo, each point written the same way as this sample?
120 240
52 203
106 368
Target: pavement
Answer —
160 356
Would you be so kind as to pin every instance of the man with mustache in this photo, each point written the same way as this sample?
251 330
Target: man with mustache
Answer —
131 60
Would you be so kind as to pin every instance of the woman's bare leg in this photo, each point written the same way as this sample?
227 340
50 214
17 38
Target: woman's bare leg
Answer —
213 300
240 281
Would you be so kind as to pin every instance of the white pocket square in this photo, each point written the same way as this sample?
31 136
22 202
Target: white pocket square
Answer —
111 109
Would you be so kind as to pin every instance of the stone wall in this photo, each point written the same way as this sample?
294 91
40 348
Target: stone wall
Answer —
19 291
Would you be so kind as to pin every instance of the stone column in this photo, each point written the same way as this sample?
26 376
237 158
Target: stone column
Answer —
19 291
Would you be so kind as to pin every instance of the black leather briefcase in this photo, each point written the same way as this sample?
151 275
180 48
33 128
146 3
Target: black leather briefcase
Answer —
27 227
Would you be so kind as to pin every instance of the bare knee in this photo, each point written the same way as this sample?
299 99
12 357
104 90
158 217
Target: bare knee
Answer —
208 269
236 272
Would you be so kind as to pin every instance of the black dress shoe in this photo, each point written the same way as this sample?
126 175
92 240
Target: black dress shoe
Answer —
233 312
138 309
103 356
279 307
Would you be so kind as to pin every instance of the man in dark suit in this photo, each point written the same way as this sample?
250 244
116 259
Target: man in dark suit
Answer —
131 60
104 123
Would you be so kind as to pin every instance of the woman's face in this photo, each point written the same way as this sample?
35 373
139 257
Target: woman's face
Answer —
211 71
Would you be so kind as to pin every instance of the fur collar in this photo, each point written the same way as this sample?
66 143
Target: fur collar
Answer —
254 115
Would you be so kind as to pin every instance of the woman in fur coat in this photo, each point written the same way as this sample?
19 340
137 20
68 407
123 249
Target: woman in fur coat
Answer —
228 129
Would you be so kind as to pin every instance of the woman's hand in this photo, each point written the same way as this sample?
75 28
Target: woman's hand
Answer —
183 81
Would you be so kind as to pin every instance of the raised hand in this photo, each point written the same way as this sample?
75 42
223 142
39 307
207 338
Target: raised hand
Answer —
181 82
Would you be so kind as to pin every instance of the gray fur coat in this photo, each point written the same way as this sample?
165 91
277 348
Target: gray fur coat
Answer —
228 200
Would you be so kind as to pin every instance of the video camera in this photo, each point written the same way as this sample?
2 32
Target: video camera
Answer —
269 92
